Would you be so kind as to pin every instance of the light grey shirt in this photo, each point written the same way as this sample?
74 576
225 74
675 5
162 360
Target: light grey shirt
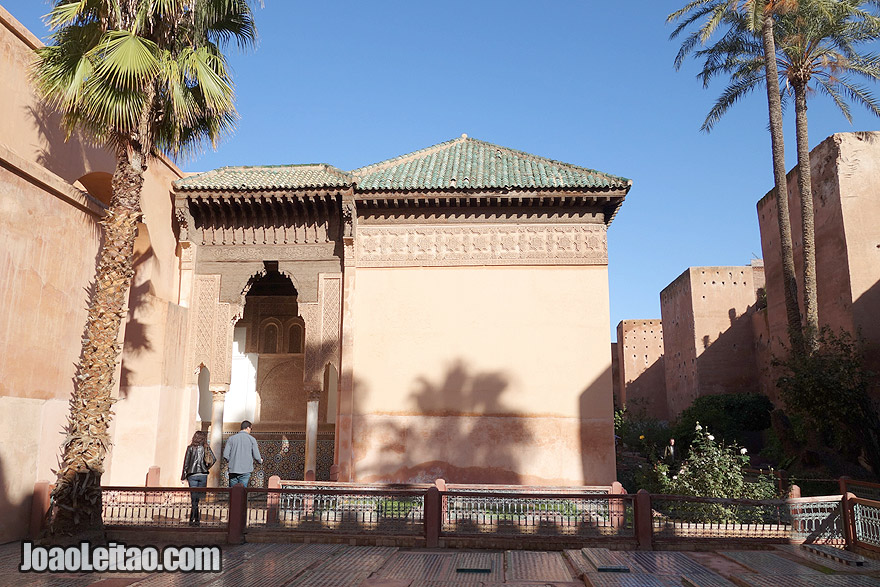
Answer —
241 451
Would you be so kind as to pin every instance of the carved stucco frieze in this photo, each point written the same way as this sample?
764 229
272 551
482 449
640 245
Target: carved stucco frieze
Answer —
331 309
212 330
426 246
311 315
300 252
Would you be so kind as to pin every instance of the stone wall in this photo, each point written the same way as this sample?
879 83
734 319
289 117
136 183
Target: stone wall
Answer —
708 339
642 374
846 180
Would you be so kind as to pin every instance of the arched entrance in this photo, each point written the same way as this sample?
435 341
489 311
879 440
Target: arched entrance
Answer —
274 335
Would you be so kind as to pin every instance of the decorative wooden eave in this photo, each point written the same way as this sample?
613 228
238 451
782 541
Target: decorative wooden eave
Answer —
608 201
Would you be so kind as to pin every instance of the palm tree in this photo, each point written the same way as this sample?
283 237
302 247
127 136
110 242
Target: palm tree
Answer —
754 15
141 77
816 42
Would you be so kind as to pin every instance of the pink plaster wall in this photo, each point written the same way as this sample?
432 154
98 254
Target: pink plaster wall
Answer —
642 374
845 180
482 374
708 340
49 240
27 127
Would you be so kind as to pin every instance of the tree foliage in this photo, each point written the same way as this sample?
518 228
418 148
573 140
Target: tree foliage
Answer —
828 391
141 77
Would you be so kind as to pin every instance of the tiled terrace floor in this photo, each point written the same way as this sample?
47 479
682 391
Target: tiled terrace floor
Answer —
318 565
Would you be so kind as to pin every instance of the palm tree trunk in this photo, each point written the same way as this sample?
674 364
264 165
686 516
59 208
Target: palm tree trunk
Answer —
777 141
811 309
77 493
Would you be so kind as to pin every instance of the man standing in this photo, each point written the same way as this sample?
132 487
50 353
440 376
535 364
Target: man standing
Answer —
669 453
240 452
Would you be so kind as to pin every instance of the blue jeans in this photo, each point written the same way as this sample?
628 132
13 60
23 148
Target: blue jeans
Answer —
239 479
197 480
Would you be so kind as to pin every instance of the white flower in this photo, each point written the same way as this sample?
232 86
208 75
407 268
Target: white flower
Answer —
675 476
742 451
711 437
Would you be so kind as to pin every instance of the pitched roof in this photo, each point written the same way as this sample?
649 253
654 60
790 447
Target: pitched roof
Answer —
460 164
464 163
267 177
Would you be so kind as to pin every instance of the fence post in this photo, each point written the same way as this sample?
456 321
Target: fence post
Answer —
237 514
643 520
616 506
849 522
842 483
39 508
794 492
152 477
432 517
273 500
152 480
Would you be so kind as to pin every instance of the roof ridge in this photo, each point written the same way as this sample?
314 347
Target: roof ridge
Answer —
464 138
400 158
539 158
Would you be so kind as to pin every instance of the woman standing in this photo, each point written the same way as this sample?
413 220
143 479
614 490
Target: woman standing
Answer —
198 460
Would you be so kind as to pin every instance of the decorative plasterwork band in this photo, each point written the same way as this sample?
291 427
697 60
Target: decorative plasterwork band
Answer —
434 246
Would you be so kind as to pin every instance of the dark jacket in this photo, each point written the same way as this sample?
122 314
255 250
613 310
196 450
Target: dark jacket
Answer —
194 461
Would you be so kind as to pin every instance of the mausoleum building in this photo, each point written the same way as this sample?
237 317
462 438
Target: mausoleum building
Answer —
440 314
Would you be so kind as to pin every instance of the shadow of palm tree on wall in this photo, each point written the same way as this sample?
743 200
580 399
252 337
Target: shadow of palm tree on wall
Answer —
67 157
458 429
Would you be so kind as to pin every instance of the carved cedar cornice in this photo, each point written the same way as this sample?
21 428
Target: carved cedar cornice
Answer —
427 246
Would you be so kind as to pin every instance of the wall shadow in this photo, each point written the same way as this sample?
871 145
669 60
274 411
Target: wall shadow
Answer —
66 157
646 394
865 309
137 340
457 428
15 514
597 441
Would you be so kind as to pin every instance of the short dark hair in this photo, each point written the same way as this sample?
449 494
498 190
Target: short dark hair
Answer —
245 424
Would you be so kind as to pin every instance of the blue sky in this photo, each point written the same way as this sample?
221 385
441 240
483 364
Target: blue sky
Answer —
588 83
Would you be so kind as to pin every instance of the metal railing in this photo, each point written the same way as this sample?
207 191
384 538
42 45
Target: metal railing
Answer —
569 514
862 489
454 515
866 523
162 507
808 519
341 510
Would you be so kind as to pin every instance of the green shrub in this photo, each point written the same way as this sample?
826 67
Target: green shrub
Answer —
714 469
730 415
828 390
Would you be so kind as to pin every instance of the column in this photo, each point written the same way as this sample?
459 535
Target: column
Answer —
218 399
311 435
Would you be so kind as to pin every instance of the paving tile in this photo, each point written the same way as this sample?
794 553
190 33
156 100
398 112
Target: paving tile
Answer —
382 582
269 570
324 578
364 558
580 563
599 557
536 566
768 563
840 555
418 565
477 560
706 580
664 563
808 580
629 580
827 563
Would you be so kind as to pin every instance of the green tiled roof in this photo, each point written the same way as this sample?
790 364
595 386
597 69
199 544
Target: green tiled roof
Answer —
465 163
460 164
267 177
